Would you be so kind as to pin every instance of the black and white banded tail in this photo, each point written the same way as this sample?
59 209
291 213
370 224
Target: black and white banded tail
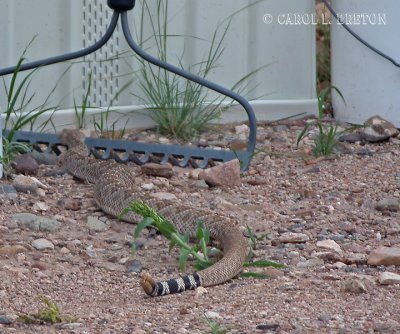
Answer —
176 285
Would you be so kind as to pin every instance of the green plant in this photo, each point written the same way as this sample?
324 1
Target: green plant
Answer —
19 113
200 251
102 124
215 327
49 314
254 239
179 107
10 151
327 137
80 111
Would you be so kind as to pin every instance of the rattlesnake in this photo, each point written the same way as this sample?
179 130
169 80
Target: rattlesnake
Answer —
114 189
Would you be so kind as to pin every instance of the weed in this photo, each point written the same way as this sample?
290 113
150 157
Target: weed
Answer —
49 314
254 239
10 151
215 327
179 107
327 137
80 111
200 252
17 116
101 123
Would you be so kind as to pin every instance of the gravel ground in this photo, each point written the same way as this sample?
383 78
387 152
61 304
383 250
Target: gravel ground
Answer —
88 269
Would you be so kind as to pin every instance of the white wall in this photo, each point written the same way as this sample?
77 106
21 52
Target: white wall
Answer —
287 85
369 83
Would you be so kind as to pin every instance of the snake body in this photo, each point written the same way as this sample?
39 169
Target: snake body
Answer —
114 189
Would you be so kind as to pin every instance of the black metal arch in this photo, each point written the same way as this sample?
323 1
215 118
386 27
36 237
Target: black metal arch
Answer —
181 155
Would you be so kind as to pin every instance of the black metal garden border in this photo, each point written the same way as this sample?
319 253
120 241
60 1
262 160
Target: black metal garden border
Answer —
140 152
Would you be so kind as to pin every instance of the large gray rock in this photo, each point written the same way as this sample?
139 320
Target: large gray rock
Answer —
25 184
36 223
44 158
8 191
95 224
42 244
378 129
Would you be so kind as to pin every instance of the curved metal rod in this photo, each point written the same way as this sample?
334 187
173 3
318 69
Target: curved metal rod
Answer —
71 55
250 113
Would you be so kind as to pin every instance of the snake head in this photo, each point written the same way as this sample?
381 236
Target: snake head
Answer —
71 137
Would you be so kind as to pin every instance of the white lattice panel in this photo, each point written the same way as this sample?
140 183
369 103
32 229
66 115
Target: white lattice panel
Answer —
103 70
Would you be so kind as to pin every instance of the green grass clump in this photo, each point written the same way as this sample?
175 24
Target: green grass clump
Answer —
200 251
327 137
181 108
10 151
50 314
215 327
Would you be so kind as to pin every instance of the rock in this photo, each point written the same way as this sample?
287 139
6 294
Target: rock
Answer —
4 320
222 203
134 266
194 173
154 169
36 223
164 140
200 291
238 145
353 285
65 250
25 164
25 184
212 315
72 204
311 263
164 196
201 184
384 256
44 158
388 204
95 224
42 244
226 174
11 251
268 327
242 129
355 258
40 206
8 191
293 238
389 326
339 265
352 137
54 172
111 266
378 129
148 186
40 192
40 265
329 244
281 128
388 278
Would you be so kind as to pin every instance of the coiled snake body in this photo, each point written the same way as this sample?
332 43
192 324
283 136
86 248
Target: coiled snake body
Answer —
113 191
